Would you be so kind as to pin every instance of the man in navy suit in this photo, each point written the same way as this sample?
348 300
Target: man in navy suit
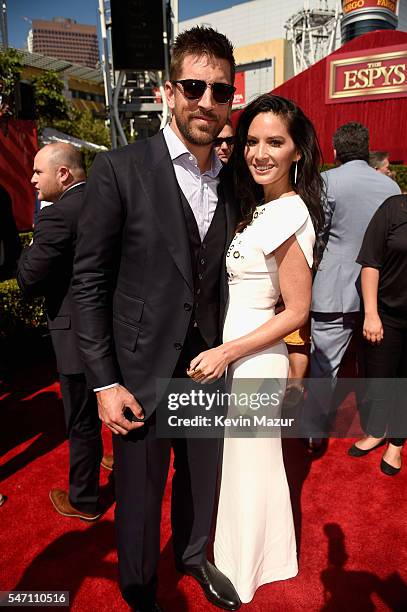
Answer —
150 287
45 268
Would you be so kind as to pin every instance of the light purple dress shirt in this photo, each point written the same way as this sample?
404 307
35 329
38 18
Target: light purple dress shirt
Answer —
200 190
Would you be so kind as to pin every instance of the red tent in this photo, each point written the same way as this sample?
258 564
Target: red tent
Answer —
18 147
386 118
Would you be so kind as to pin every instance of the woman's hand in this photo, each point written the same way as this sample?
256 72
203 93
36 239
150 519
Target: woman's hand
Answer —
373 329
209 365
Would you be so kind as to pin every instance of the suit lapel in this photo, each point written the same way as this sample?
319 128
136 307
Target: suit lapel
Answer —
226 192
162 187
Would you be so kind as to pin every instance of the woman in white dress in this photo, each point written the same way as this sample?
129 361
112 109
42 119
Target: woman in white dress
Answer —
278 185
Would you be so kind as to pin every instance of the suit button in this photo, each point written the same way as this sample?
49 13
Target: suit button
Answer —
178 346
187 306
204 246
202 261
200 276
198 291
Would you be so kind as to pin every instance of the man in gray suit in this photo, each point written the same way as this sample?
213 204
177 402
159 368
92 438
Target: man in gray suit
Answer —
354 191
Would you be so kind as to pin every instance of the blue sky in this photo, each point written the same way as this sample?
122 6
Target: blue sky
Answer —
85 11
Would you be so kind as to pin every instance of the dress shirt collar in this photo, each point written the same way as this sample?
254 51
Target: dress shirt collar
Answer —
177 149
71 187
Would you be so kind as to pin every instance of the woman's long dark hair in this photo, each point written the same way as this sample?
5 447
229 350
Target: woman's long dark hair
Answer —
309 185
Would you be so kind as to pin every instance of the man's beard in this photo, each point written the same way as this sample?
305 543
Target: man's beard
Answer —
200 137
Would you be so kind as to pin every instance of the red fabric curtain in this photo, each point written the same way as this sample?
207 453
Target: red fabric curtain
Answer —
17 151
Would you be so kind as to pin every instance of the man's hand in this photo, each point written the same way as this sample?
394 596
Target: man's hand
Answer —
112 404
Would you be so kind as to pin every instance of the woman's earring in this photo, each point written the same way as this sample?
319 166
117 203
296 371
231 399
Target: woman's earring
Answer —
295 173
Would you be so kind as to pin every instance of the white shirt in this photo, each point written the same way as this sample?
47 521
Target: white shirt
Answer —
200 190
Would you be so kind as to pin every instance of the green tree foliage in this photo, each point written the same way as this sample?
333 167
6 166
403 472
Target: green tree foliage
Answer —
88 127
18 313
92 129
401 176
51 105
10 69
54 110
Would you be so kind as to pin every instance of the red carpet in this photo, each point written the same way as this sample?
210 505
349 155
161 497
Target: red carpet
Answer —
351 523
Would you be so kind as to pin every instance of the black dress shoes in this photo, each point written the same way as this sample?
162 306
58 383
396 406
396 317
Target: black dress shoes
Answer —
388 469
217 588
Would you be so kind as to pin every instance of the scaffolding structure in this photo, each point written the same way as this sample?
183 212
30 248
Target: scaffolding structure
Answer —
135 101
3 25
313 33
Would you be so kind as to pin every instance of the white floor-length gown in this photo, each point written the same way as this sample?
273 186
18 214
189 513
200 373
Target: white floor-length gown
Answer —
255 539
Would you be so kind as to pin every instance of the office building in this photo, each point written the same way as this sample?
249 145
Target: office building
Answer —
65 39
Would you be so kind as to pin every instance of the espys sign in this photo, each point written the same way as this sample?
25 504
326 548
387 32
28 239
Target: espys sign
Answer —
349 6
374 74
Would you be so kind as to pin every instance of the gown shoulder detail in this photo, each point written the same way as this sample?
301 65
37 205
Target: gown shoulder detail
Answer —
283 218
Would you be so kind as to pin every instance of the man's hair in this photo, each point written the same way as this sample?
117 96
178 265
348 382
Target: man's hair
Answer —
64 154
376 158
351 141
201 41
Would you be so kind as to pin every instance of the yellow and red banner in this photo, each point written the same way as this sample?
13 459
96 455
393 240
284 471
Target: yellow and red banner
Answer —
373 74
349 6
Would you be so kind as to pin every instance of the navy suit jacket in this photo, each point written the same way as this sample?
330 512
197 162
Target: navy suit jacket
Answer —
45 268
133 283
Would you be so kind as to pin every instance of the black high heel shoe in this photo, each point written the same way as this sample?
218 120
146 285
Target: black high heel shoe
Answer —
354 451
388 469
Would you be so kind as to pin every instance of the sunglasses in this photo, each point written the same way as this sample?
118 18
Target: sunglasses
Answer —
230 140
194 89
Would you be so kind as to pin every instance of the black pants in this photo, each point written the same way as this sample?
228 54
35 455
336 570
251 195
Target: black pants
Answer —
384 410
85 442
141 468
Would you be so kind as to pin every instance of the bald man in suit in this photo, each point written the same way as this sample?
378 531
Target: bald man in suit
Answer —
45 269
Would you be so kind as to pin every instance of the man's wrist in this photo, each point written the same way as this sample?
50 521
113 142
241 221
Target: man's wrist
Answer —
116 384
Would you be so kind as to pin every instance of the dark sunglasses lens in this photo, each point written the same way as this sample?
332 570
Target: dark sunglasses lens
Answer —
230 140
193 89
222 92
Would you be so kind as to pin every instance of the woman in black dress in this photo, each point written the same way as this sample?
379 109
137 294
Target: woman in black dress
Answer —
383 258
